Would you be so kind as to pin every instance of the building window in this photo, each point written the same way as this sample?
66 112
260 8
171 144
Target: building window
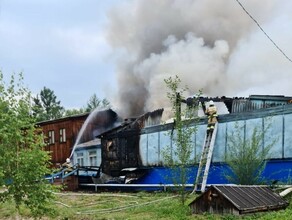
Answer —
62 135
92 158
80 159
51 137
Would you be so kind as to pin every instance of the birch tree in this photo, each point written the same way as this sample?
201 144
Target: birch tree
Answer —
180 157
23 163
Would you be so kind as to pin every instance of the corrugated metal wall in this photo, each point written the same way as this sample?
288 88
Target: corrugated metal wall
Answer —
245 105
154 141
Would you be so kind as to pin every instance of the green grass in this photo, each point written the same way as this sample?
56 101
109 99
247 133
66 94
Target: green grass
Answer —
132 206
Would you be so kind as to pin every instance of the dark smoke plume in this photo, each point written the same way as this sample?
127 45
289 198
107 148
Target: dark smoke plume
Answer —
211 45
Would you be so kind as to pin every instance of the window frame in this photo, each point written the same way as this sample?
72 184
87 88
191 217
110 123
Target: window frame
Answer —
79 158
62 135
51 137
92 155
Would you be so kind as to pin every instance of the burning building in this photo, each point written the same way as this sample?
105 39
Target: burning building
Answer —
134 149
131 151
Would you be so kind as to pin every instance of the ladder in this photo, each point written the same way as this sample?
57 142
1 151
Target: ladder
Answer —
205 161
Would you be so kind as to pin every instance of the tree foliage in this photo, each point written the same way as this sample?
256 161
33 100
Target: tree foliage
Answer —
246 157
23 163
180 157
74 111
46 106
94 102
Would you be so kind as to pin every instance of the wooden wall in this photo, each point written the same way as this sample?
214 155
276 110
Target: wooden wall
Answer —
62 150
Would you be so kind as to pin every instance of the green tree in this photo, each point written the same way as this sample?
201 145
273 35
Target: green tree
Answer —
94 102
38 110
246 157
46 106
74 111
23 163
180 157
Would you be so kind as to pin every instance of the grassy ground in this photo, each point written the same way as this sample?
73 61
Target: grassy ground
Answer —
132 206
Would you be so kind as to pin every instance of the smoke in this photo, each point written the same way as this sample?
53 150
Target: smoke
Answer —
211 45
97 122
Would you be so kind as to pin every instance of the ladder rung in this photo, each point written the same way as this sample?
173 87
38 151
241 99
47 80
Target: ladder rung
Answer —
205 160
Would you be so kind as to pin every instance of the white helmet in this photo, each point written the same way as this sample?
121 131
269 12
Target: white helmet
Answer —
211 102
68 160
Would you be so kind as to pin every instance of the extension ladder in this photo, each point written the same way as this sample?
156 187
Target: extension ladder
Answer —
205 161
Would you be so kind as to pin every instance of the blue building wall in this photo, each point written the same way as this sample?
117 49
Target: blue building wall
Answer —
277 121
154 140
277 124
276 170
87 156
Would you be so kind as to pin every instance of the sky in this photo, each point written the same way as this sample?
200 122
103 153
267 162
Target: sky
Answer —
123 50
58 44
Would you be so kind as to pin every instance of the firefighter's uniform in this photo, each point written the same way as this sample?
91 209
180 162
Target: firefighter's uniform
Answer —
211 111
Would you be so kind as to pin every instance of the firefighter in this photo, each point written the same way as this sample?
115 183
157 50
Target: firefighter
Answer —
211 111
67 165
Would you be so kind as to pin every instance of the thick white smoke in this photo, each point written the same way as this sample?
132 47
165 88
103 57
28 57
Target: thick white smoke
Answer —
211 45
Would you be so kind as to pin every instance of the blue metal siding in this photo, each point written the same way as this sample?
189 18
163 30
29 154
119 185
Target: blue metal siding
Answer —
251 124
220 143
174 148
193 155
200 137
164 144
275 170
144 148
155 141
274 134
287 125
153 149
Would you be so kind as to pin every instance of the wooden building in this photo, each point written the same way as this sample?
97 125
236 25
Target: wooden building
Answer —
237 200
60 136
